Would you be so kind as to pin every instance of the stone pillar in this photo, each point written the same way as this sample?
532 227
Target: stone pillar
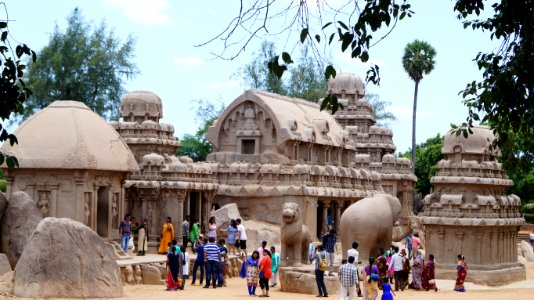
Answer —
325 217
493 247
338 217
79 196
54 195
478 247
178 229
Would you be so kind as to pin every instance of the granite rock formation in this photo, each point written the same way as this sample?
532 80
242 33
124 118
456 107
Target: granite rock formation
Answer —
66 259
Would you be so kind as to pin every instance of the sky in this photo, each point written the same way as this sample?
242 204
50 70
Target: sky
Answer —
171 66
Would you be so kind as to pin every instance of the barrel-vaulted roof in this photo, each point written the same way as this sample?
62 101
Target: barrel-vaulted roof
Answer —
69 135
294 119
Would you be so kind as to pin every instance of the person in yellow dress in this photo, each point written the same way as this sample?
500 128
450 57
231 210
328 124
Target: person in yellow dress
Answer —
167 235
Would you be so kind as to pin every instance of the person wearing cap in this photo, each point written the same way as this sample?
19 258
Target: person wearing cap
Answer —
348 277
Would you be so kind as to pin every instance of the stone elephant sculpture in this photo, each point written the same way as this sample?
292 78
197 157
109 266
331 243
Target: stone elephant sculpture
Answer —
369 222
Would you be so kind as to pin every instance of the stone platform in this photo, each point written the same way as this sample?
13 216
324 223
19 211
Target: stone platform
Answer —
302 280
485 276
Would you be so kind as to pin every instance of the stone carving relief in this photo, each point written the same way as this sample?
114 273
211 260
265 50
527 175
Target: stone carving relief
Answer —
44 203
115 211
87 209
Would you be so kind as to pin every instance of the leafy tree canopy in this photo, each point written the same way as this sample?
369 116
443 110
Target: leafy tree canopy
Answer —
84 64
428 155
13 90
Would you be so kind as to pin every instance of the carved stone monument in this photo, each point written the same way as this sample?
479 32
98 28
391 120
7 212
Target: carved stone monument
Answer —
469 212
294 236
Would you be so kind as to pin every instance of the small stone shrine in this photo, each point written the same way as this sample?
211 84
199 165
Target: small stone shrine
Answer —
469 212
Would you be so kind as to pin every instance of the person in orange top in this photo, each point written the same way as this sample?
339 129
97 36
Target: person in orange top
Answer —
265 272
167 235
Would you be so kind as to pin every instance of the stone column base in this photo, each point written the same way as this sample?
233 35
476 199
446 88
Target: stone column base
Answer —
302 280
502 276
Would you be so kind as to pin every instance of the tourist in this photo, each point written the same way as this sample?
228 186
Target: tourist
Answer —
212 228
382 265
142 238
348 276
125 231
311 251
416 244
329 243
405 268
409 244
461 268
199 262
320 258
167 235
265 269
531 237
222 265
390 272
371 268
135 227
212 259
249 270
173 269
185 269
354 253
275 259
241 237
194 236
387 294
261 248
372 286
185 232
232 237
417 270
397 264
428 280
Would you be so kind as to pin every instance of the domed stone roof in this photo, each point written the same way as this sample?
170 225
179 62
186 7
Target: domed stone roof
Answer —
69 135
348 84
478 142
141 104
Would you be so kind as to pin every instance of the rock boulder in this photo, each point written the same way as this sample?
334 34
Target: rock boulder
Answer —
526 250
20 219
3 205
66 259
4 264
151 275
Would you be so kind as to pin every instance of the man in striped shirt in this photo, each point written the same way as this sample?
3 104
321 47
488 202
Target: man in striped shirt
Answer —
348 276
212 258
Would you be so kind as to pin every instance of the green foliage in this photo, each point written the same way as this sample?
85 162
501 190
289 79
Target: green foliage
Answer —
529 218
257 76
428 155
84 64
382 116
3 185
306 81
196 146
13 90
504 98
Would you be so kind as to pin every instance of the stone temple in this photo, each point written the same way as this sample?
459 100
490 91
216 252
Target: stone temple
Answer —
469 212
267 150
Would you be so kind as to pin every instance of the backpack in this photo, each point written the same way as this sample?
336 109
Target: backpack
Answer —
323 264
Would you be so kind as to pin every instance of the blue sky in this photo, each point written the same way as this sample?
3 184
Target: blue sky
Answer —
172 67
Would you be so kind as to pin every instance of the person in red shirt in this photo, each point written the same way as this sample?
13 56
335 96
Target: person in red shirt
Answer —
265 272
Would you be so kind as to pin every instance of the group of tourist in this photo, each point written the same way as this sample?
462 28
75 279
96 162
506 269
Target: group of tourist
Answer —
261 268
129 228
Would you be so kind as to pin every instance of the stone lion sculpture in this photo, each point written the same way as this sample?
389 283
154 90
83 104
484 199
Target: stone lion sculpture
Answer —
294 236
369 222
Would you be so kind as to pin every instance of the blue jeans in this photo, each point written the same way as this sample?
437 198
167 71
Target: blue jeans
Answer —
212 272
198 263
220 273
319 278
124 243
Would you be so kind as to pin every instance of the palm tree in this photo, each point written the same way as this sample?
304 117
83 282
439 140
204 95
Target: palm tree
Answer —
418 59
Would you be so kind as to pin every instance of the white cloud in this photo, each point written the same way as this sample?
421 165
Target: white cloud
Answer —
188 61
150 12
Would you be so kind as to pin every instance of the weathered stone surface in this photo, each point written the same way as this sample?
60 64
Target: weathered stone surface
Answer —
526 251
127 275
295 236
224 214
21 218
4 264
6 285
302 280
66 259
151 275
522 260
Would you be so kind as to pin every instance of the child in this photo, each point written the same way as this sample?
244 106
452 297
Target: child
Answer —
222 265
387 292
372 286
185 270
169 247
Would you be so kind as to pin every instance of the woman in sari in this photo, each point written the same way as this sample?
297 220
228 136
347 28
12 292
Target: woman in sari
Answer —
427 278
250 271
173 270
167 235
142 239
461 268
382 265
417 270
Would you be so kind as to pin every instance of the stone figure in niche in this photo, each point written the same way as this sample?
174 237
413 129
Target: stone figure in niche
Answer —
250 116
137 275
294 235
114 212
86 211
44 203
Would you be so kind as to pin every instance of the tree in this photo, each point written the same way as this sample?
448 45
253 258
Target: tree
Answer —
306 80
256 75
380 112
196 146
13 90
428 154
84 64
418 60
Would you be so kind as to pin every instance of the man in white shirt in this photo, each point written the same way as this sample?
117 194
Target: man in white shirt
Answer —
397 264
260 250
241 237
354 253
